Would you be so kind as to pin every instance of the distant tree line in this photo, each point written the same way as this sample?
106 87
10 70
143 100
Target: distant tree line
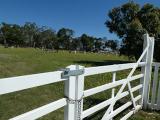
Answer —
31 35
130 21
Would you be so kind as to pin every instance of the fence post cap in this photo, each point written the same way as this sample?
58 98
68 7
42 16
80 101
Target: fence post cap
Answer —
74 67
146 35
152 38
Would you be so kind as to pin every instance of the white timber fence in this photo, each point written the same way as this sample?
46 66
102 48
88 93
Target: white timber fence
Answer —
153 102
74 76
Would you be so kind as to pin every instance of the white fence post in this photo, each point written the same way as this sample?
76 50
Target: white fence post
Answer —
74 87
154 87
147 70
113 90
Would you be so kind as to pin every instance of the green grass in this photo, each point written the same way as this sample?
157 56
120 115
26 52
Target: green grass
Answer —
23 61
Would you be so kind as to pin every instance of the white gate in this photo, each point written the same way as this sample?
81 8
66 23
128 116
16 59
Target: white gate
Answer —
74 77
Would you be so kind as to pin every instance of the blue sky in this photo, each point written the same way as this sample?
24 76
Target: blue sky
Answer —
83 16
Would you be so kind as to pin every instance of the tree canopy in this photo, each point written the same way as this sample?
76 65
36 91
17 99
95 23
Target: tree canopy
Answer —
130 21
32 35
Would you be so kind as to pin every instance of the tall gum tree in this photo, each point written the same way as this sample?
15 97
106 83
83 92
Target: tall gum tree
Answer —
130 21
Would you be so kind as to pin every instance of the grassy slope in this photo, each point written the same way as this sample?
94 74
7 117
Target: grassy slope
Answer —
19 61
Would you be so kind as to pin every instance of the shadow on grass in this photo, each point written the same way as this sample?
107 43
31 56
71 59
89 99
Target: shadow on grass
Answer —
106 62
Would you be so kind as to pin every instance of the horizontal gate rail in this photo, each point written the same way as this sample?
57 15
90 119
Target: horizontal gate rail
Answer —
39 112
109 86
123 107
104 104
110 68
138 107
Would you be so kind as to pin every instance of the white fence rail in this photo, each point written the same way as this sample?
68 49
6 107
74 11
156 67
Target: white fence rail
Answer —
74 77
8 85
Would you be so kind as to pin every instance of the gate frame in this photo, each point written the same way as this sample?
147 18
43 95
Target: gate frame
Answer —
147 69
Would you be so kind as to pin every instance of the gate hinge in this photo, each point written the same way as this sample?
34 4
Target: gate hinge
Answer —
67 72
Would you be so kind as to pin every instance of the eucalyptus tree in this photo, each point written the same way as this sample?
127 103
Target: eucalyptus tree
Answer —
130 21
98 44
30 30
113 44
65 36
87 42
46 38
11 34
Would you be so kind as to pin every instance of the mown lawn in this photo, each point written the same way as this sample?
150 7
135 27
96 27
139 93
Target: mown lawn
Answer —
23 61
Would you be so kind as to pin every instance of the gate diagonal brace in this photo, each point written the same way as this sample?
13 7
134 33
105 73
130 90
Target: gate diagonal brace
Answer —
132 97
114 101
124 84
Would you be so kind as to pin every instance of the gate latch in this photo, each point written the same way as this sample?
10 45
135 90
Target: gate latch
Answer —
67 72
